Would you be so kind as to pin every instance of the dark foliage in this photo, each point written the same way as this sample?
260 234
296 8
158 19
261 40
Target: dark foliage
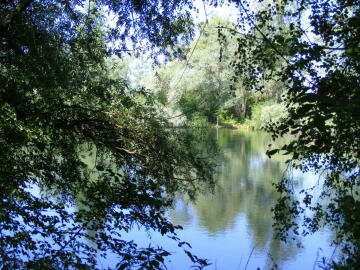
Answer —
312 48
83 158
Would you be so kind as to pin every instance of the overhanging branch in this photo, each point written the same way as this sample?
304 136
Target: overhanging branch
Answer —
20 7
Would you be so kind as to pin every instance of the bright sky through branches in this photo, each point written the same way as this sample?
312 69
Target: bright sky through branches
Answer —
226 11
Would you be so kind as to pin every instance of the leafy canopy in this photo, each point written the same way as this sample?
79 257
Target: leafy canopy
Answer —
83 158
312 48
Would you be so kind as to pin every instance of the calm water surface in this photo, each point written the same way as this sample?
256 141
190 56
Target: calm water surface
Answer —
232 227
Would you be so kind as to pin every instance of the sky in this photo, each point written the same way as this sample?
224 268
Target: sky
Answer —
226 11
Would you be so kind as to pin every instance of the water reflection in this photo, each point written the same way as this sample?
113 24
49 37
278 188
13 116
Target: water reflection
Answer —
233 225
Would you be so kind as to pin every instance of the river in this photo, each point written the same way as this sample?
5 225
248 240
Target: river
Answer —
232 226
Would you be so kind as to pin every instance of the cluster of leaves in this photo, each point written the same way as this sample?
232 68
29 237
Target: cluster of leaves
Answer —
104 155
312 48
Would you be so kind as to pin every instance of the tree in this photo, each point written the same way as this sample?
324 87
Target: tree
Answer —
100 154
315 54
200 84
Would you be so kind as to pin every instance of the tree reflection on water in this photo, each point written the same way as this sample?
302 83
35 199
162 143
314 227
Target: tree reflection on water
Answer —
244 191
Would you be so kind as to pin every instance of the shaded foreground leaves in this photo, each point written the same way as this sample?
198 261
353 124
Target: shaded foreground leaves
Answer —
83 158
311 48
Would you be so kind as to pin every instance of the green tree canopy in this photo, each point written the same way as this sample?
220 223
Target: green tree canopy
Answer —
200 84
100 153
313 49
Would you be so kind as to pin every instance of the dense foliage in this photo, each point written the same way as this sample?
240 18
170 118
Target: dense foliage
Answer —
196 87
82 157
200 88
312 48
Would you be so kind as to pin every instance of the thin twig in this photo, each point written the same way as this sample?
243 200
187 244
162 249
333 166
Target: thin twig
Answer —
249 257
191 54
268 40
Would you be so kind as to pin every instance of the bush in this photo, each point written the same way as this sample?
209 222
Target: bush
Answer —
198 120
264 113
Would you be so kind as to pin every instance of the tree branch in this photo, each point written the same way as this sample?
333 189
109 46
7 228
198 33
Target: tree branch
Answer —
4 2
20 7
261 33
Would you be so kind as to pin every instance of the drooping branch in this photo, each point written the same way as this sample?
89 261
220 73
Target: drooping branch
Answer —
247 13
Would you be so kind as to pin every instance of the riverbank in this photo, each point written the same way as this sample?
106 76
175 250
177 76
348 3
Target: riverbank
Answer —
235 126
